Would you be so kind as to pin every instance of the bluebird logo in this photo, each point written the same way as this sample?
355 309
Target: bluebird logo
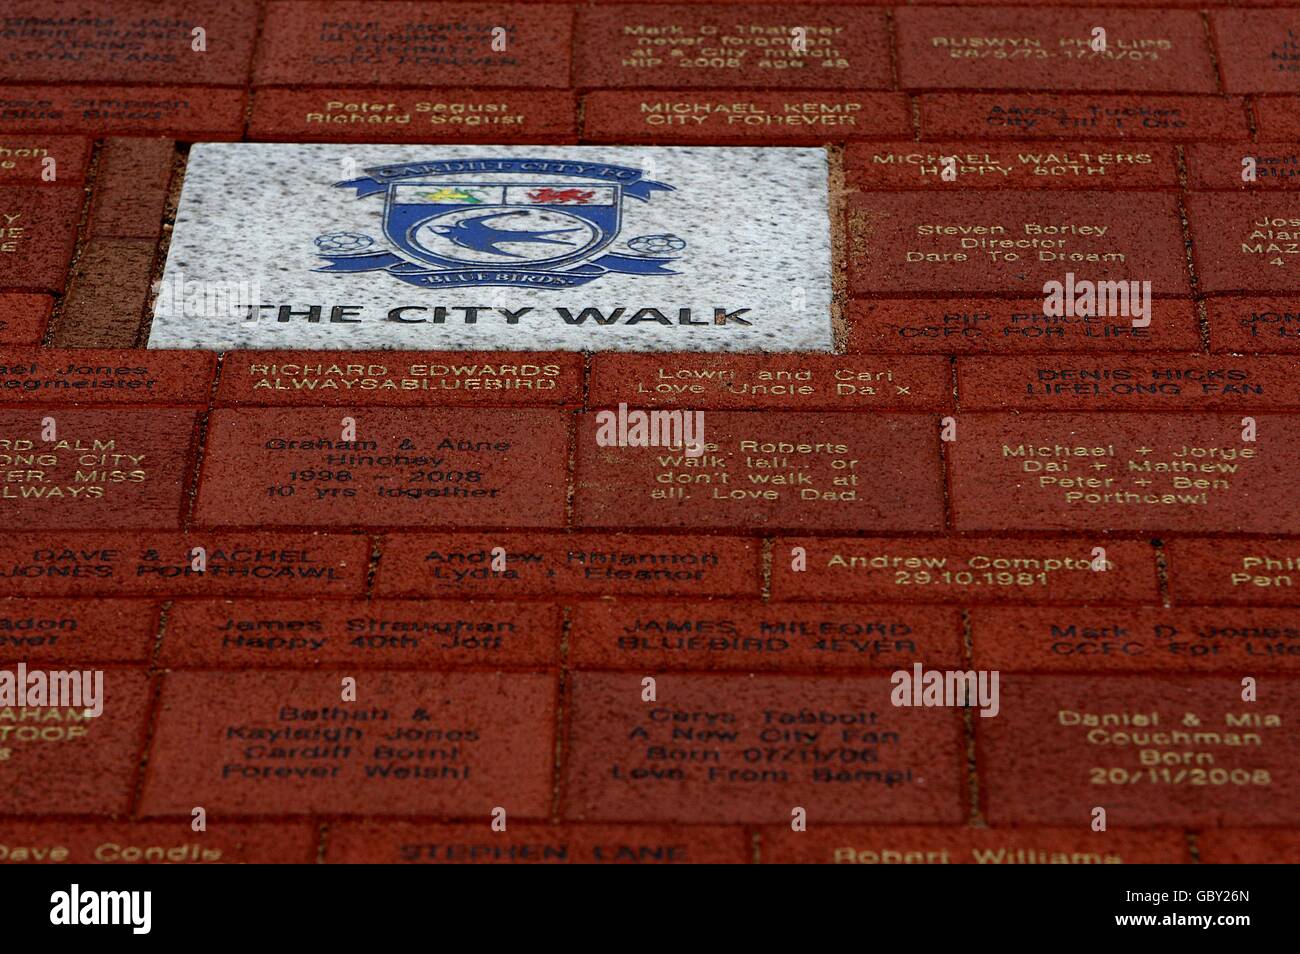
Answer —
533 223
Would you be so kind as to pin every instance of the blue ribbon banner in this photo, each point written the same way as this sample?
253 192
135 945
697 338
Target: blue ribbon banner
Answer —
379 178
493 275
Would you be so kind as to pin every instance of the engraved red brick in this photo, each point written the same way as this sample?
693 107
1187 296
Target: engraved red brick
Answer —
301 634
962 570
759 117
1180 382
38 227
1278 116
403 44
650 636
131 187
23 317
1236 846
1123 471
49 376
429 844
730 46
715 749
771 381
945 116
399 378
1258 50
1091 639
192 113
130 41
1269 325
77 631
1221 167
272 467
844 845
172 842
813 471
24 159
910 165
1197 4
403 115
576 564
57 757
1015 48
1246 243
151 564
283 743
1012 242
1262 572
125 469
1151 750
1001 326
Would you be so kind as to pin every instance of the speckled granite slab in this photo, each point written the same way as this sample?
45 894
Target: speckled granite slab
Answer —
482 247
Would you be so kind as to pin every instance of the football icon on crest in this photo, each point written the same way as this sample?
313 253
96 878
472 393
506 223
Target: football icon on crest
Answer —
458 223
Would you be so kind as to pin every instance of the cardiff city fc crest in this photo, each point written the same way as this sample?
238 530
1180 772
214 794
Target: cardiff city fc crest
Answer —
537 223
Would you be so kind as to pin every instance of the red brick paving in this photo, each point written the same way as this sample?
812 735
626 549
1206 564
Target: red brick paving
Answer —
999 165
403 44
908 243
412 843
1245 243
1106 382
1152 50
194 113
1150 750
341 114
568 564
787 118
399 379
23 159
53 376
759 619
1212 166
37 236
730 46
250 634
751 636
71 631
778 470
124 468
1263 325
283 743
23 317
400 468
131 187
1103 117
1124 471
60 761
771 382
1088 639
857 845
751 742
122 843
998 326
964 570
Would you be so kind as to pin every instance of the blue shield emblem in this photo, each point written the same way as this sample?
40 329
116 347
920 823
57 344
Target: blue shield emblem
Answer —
532 224
447 228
